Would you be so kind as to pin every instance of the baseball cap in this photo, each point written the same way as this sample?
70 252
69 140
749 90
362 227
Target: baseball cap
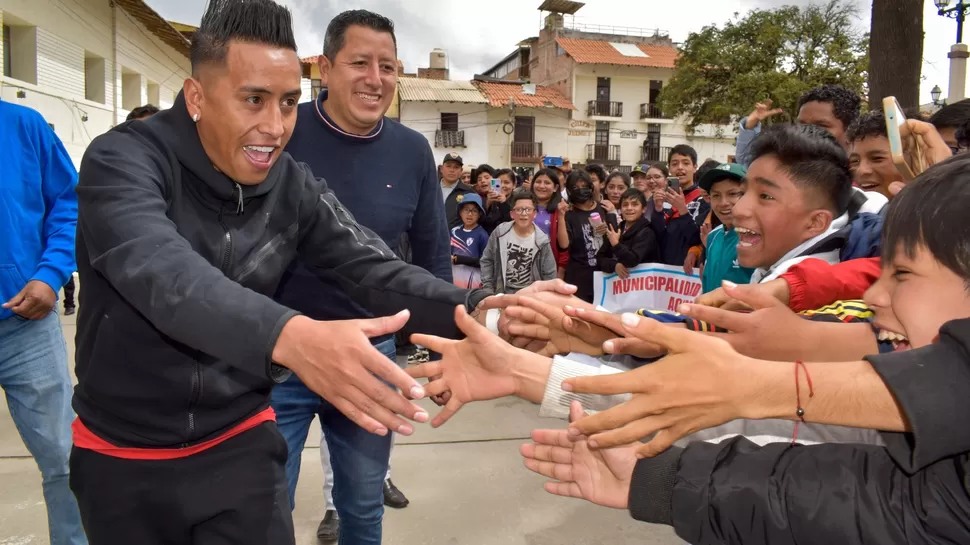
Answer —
731 171
638 170
453 157
471 198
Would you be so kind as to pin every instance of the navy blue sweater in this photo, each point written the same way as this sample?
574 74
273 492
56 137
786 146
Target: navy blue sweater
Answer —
388 181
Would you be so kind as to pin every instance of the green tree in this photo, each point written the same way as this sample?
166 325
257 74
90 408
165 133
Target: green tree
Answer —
775 54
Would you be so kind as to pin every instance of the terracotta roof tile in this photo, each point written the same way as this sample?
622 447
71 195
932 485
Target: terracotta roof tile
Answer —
309 60
499 94
601 52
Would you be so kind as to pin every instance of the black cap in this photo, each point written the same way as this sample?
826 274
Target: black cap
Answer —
453 157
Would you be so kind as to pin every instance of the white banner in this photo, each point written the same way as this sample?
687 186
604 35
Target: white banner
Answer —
650 285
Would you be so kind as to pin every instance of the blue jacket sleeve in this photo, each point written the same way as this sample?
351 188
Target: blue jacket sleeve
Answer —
745 136
59 179
429 236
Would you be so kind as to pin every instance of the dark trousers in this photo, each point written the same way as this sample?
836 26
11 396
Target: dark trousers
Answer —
69 293
233 493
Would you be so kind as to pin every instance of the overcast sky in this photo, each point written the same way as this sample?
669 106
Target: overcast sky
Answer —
476 39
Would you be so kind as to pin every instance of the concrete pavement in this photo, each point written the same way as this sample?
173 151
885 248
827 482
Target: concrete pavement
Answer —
465 481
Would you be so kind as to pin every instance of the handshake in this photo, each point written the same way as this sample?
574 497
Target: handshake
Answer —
701 380
692 388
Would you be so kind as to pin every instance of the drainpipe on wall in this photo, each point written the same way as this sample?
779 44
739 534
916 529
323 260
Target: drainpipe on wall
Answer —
114 62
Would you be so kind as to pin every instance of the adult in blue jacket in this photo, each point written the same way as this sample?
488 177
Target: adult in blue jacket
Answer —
38 212
385 174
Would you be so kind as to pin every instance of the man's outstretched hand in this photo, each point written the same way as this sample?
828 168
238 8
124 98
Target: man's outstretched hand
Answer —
600 476
479 367
336 360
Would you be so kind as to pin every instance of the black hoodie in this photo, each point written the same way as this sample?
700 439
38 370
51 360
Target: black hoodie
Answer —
178 265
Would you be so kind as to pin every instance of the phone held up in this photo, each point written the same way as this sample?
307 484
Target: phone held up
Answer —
552 161
905 149
673 183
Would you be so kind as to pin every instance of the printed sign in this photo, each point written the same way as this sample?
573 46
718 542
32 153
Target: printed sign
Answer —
628 134
650 285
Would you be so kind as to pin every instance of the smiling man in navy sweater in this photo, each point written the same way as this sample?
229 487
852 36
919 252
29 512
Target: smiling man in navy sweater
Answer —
385 174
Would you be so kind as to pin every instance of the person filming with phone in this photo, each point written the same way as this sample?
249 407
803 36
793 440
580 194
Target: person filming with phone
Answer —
687 201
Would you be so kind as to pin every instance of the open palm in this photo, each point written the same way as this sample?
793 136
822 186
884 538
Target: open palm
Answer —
476 368
601 476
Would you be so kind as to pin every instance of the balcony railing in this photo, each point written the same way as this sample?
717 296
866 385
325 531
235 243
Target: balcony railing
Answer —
526 152
603 154
604 108
449 139
652 111
652 154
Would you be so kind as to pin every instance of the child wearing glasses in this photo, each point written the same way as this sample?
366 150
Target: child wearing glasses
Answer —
518 253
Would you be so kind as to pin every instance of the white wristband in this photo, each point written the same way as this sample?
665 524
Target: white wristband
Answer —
491 319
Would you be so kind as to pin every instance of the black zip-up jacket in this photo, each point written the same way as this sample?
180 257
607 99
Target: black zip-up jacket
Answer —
638 244
178 265
915 490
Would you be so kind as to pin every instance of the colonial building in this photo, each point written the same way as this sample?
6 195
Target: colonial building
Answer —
614 76
84 64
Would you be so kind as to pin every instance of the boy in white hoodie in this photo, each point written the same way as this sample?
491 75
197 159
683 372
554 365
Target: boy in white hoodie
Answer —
797 193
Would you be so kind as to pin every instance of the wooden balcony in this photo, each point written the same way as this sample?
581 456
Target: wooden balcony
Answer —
652 154
603 108
449 139
652 111
607 155
526 152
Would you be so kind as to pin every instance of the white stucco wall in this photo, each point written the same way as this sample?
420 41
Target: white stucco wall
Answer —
551 125
631 86
67 31
425 117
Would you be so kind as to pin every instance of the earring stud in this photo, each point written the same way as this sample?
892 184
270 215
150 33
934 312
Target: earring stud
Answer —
195 118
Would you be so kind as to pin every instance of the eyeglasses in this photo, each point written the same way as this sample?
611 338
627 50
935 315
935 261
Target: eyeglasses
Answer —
523 210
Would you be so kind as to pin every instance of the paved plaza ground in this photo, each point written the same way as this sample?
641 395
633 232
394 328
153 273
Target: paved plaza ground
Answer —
466 483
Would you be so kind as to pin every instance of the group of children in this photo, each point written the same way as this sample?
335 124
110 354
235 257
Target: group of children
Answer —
545 235
573 224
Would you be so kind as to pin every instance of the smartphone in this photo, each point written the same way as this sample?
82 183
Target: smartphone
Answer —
497 185
552 161
901 144
673 182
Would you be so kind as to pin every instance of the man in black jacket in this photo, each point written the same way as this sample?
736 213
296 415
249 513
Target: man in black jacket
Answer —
187 221
453 190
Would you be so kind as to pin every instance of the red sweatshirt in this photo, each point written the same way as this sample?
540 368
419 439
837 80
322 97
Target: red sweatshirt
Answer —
813 283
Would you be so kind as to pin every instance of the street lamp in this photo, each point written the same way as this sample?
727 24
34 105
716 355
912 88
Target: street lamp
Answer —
958 12
959 52
935 94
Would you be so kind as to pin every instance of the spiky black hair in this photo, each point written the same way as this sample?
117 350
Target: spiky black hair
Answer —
813 159
253 21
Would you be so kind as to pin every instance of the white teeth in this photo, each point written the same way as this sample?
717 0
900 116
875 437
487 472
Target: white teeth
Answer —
368 97
743 231
885 335
261 149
